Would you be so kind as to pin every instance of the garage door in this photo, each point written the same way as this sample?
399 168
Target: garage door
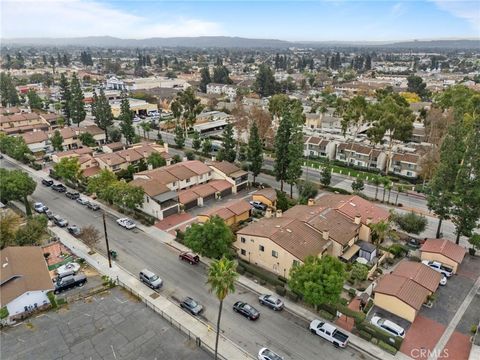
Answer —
241 187
190 204
209 197
226 192
171 211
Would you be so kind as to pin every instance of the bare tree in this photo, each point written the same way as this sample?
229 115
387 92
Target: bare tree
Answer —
90 236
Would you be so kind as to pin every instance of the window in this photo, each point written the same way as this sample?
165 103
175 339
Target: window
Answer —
261 248
243 252
296 262
148 199
188 180
274 254
242 239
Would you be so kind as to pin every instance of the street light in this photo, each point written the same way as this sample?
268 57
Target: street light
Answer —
106 240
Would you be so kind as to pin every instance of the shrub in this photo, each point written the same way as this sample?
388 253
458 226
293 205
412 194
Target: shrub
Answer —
374 341
388 348
359 317
240 269
326 315
3 312
282 279
36 166
261 274
473 329
329 308
414 258
369 305
280 290
292 296
397 250
352 292
52 298
380 334
343 301
365 335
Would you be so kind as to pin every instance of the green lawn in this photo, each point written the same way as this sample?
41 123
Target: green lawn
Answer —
340 170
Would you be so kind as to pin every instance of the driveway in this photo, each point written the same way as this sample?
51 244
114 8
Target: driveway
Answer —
110 325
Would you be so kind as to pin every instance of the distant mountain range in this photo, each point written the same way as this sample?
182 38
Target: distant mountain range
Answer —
234 42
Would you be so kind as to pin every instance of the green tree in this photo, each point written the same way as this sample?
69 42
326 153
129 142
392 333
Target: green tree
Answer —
265 84
186 107
221 75
32 232
318 280
87 139
221 277
359 272
475 241
100 183
205 79
255 151
227 151
65 96
16 185
411 222
8 92
306 190
126 118
282 201
416 85
196 140
156 160
9 224
387 183
15 147
206 147
68 169
102 112
295 156
213 238
146 127
77 106
57 141
382 230
326 175
126 196
179 137
377 181
282 139
114 134
358 185
34 100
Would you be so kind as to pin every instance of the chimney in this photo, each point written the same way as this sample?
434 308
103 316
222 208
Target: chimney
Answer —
325 234
358 219
145 155
127 157
268 213
184 158
311 202
279 213
109 161
150 167
369 220
214 158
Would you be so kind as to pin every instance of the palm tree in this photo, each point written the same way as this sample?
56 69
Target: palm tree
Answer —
385 183
400 189
146 126
221 278
376 180
381 230
389 187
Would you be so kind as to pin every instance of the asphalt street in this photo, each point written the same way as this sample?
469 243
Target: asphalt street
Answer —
281 331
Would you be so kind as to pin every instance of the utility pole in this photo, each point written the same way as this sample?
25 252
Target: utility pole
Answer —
106 240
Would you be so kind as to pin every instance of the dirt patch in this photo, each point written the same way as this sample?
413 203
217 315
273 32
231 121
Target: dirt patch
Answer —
130 296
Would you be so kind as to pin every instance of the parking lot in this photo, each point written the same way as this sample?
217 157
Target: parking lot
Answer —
109 325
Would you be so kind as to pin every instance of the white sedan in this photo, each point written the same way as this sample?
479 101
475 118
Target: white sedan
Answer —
126 223
267 354
70 268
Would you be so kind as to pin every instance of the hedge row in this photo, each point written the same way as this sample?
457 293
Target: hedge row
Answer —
380 334
387 347
261 274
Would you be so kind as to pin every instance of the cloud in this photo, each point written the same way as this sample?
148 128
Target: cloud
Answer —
468 10
398 9
72 18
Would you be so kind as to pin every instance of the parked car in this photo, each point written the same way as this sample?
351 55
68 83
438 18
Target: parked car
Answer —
82 201
189 257
47 182
50 215
93 206
267 354
246 310
258 205
126 223
152 280
59 188
415 243
271 301
443 280
74 230
191 305
435 265
39 207
329 333
72 195
70 268
69 282
60 221
388 326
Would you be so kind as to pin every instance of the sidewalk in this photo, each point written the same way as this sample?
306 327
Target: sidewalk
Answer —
192 326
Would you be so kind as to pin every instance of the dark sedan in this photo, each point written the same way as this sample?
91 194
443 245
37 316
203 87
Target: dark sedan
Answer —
191 305
72 195
59 187
246 310
47 182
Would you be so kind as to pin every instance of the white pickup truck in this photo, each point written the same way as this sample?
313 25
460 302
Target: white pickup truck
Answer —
329 332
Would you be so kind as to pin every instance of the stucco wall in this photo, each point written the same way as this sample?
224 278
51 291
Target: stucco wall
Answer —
29 299
395 306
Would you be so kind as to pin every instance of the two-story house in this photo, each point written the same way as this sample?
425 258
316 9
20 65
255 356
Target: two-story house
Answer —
224 170
361 156
37 141
405 164
317 147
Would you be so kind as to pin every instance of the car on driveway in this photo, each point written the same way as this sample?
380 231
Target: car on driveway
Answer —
152 280
39 207
415 243
59 187
72 195
47 182
93 206
258 205
267 354
126 223
191 305
60 221
189 257
70 268
69 282
435 265
271 301
246 310
82 201
74 230
388 326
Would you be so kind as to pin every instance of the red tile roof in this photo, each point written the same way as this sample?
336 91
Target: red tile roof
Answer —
406 290
444 247
420 273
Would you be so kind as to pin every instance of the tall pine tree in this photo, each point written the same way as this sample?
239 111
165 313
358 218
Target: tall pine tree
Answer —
126 118
77 106
65 97
205 79
228 151
102 111
255 151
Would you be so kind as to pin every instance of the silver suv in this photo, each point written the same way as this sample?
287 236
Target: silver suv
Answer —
152 280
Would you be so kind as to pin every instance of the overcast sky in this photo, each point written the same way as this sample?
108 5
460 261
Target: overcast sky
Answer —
285 20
